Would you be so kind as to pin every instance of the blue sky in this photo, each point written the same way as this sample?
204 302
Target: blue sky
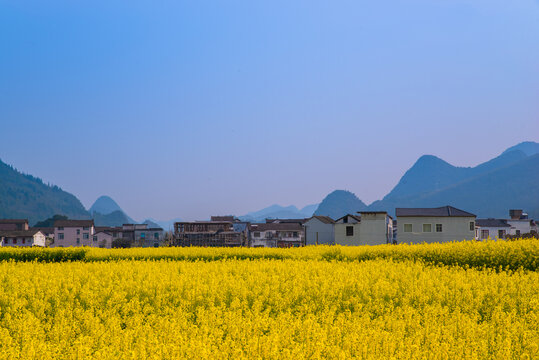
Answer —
192 108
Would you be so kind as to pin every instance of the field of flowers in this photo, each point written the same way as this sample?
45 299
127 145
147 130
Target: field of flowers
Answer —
402 302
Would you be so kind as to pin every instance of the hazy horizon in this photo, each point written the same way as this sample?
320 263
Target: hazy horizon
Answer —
183 109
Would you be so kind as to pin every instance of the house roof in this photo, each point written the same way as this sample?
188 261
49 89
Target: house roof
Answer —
276 227
491 223
358 218
19 233
324 219
13 221
73 223
299 221
44 230
444 211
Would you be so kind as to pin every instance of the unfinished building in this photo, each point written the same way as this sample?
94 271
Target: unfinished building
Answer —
229 233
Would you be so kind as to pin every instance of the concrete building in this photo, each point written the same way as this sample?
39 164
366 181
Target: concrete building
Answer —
212 233
491 229
319 230
103 239
520 223
13 224
431 225
276 234
22 238
368 228
73 233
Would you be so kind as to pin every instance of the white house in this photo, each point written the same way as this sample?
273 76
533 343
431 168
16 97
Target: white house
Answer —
491 229
368 228
103 239
276 235
430 225
520 224
22 238
319 230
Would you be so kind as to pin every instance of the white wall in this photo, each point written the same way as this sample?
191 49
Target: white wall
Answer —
453 228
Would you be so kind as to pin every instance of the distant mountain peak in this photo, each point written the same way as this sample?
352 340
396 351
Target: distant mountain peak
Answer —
105 205
529 148
339 203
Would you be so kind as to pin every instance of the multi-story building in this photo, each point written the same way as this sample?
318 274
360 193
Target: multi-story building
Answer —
73 233
520 223
430 225
228 233
277 234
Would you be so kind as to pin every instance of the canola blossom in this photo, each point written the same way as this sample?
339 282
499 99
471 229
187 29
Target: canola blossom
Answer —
317 302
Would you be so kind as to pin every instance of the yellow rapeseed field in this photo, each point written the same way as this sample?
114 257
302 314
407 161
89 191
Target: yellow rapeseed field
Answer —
317 302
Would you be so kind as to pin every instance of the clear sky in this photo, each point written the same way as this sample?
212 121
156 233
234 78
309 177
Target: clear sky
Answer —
192 108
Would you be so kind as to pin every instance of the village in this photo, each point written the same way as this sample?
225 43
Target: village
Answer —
411 226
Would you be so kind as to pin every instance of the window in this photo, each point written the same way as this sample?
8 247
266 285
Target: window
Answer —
23 240
295 234
407 227
501 234
60 228
78 241
438 227
60 236
95 237
472 225
14 240
256 234
518 232
78 231
143 235
349 231
86 228
484 234
7 241
427 227
156 236
85 236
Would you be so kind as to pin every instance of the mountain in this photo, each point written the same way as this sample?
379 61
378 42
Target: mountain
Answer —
27 197
279 212
490 189
340 203
115 218
529 148
104 205
106 212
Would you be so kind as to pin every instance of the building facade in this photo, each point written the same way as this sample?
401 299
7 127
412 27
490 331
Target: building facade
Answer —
276 234
22 238
491 229
73 233
368 228
211 233
319 230
432 225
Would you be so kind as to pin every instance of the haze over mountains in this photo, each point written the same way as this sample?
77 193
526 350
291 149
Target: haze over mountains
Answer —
490 189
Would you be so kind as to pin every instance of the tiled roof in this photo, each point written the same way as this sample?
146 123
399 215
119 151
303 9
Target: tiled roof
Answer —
73 223
276 227
324 219
18 233
13 221
444 211
491 223
358 218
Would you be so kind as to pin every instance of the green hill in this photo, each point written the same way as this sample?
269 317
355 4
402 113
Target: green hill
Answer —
27 197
